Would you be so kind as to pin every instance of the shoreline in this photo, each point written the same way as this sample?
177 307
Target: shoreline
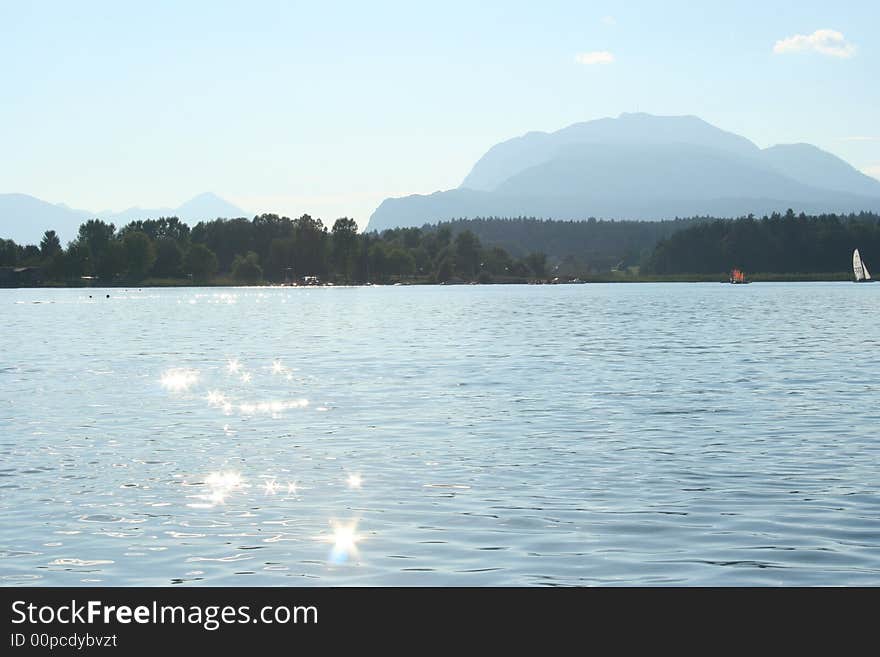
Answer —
598 278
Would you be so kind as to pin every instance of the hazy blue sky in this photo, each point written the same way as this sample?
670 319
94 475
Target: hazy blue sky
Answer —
329 107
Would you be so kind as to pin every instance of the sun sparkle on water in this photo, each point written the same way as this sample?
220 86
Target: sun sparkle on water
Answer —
344 539
179 379
273 407
223 480
220 486
216 398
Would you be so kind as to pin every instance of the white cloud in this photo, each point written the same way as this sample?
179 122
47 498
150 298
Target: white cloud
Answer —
595 57
609 20
826 42
873 170
860 138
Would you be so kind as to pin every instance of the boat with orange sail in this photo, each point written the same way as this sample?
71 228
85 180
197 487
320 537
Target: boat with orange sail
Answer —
738 277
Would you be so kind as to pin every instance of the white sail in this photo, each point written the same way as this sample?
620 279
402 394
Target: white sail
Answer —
867 273
858 267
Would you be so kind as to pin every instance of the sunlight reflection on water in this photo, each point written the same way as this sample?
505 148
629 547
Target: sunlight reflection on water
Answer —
344 538
474 435
179 380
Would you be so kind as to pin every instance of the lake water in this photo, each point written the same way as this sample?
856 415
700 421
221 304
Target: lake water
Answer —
647 434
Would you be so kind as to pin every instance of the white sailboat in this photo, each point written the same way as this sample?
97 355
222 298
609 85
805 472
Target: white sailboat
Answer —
860 269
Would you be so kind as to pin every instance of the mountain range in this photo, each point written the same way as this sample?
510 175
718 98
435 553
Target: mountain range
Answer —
640 166
635 166
24 218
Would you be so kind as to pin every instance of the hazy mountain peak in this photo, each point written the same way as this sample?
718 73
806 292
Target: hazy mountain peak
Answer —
508 158
640 166
208 205
206 196
813 166
24 218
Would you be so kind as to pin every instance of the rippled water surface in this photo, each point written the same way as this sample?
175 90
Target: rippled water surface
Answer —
687 434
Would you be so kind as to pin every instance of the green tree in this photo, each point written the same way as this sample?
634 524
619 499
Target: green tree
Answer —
112 261
445 269
169 258
309 253
226 238
95 234
266 229
378 261
400 261
50 245
280 265
467 254
496 261
140 254
537 262
520 269
8 253
74 262
201 262
247 268
156 229
29 255
344 237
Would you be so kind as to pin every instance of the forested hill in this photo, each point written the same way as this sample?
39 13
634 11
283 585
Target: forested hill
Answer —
786 243
578 246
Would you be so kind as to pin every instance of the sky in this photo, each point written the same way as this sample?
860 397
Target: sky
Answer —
328 108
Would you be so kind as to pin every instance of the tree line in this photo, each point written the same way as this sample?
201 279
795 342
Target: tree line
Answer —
576 248
779 243
268 248
279 249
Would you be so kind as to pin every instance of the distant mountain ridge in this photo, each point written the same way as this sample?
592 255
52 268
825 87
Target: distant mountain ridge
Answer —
640 166
25 218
